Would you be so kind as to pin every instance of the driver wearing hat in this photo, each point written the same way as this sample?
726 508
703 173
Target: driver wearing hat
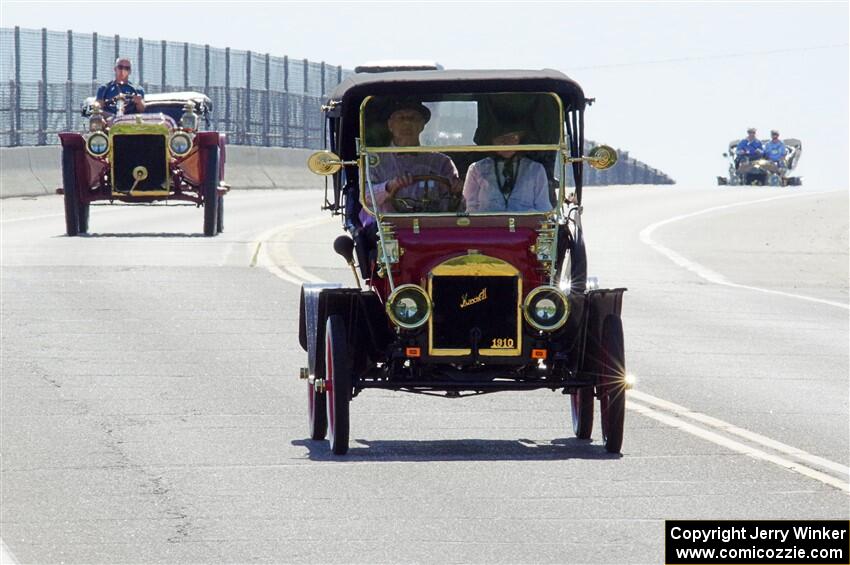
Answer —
134 95
749 148
391 174
508 181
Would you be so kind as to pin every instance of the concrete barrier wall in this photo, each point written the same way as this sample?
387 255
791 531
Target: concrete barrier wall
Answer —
35 171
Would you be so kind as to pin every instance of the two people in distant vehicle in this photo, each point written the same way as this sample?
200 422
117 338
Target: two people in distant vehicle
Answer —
507 181
109 94
751 148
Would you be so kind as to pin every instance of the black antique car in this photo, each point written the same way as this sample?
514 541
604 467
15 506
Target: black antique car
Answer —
161 154
462 294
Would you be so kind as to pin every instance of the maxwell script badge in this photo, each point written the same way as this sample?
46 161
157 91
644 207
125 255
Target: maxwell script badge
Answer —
466 301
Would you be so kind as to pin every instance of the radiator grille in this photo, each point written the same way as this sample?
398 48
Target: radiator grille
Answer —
131 151
475 308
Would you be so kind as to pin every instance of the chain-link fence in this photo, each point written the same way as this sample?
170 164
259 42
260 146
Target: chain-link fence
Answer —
258 99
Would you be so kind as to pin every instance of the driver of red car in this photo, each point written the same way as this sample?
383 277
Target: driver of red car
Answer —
108 94
391 174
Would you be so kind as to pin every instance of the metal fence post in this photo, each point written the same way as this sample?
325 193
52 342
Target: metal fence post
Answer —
94 59
140 65
69 89
306 137
247 140
186 65
285 109
339 74
118 46
226 89
207 69
323 78
164 65
16 135
267 105
42 95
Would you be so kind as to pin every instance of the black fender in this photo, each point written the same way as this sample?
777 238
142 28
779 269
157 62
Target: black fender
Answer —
599 304
309 325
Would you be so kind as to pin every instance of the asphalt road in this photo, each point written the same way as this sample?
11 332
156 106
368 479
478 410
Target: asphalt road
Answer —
152 411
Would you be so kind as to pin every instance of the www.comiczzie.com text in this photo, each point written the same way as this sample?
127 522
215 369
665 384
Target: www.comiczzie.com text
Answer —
769 541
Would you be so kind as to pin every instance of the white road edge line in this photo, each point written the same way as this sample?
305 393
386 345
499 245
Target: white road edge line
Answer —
716 278
675 421
6 555
737 446
290 271
740 432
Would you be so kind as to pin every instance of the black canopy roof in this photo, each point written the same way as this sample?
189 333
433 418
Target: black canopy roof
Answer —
356 87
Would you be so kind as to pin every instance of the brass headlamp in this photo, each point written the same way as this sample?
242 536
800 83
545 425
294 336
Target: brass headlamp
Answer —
189 120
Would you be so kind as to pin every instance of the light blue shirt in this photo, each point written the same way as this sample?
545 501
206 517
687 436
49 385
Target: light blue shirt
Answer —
530 192
775 150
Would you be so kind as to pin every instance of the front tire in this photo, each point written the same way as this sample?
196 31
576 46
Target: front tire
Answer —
612 393
581 406
317 416
337 383
210 192
71 193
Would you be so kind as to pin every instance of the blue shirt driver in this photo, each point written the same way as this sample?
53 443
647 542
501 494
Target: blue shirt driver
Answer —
133 95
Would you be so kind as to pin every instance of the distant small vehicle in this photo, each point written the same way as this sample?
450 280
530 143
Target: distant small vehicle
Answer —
762 171
160 154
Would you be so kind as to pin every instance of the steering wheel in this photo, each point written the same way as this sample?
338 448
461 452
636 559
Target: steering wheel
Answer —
435 195
122 100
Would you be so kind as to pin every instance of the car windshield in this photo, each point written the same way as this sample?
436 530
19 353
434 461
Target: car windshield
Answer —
461 153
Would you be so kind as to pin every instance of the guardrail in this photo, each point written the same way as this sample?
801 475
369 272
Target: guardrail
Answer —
259 99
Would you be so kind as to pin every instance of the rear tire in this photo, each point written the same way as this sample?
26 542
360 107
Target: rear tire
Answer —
84 217
581 406
220 217
209 189
612 395
337 383
71 193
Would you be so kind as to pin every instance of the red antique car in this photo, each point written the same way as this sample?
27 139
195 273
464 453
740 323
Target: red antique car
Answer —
452 188
161 154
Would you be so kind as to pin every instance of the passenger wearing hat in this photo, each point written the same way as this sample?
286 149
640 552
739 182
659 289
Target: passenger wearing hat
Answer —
749 148
507 182
775 149
134 95
391 174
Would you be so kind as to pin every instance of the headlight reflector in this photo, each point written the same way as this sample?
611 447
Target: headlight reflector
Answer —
180 144
546 308
409 306
97 144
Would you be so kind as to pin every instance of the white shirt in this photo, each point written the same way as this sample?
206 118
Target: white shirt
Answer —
530 192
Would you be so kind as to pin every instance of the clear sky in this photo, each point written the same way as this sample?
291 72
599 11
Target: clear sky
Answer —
674 81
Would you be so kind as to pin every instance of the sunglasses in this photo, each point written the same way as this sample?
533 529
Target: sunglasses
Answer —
123 67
